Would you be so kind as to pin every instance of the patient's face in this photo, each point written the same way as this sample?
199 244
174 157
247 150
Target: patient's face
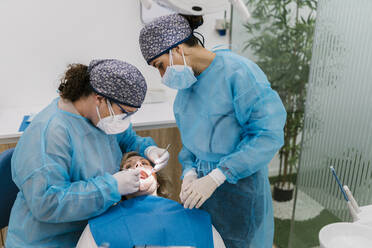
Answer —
147 177
140 163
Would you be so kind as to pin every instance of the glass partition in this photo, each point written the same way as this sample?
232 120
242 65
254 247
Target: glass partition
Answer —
338 119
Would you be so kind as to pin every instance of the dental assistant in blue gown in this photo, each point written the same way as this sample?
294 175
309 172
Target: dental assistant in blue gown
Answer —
66 163
231 125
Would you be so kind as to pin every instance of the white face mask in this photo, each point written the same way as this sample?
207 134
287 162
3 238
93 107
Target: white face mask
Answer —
113 124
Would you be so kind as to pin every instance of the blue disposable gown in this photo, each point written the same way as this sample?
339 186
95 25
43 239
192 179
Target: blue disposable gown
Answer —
231 119
62 166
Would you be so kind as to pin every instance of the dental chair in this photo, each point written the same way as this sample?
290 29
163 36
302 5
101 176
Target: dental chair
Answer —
8 190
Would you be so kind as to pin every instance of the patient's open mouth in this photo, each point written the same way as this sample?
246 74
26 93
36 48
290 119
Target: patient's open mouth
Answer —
143 174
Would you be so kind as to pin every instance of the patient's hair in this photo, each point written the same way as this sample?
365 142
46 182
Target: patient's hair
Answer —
162 178
75 83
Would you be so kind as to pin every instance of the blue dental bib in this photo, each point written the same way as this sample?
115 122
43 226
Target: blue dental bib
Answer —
154 221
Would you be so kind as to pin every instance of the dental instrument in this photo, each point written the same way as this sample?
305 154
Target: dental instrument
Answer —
156 167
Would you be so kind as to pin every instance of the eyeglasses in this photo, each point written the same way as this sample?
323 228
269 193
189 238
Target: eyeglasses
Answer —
126 112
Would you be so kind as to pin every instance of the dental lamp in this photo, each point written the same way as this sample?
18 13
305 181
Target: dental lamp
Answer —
200 7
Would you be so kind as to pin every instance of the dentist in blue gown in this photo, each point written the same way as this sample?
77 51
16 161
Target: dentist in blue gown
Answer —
231 125
66 163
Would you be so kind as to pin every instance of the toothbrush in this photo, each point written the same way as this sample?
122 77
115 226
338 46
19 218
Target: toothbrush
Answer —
352 200
339 183
352 210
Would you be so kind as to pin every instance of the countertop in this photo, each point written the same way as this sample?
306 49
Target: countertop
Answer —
149 116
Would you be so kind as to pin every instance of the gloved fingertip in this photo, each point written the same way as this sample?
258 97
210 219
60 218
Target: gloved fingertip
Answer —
160 167
164 157
187 193
157 165
164 164
158 161
187 202
187 188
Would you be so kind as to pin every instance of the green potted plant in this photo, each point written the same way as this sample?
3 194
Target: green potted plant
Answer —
281 40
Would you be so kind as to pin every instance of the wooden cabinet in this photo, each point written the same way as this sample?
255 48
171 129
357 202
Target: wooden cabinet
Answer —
163 137
6 147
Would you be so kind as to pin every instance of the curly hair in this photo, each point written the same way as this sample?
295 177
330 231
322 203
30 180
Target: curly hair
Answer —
75 83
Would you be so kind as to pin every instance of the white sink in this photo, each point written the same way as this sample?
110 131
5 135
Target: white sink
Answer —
345 235
365 216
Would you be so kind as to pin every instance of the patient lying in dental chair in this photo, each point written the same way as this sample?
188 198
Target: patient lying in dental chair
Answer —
147 219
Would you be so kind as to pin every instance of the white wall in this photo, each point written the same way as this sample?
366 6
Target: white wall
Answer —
39 38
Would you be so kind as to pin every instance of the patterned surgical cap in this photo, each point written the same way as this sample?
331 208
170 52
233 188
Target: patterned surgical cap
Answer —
163 34
118 81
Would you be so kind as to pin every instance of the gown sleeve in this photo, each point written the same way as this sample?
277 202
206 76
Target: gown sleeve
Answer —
41 169
261 114
129 141
187 160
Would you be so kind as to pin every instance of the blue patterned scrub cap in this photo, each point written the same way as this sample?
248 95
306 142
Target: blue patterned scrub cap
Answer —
162 34
118 81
